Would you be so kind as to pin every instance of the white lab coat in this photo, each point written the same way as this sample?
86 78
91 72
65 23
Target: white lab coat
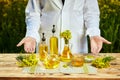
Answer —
81 17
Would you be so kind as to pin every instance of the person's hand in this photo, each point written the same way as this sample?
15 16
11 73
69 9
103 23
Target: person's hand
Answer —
29 44
96 43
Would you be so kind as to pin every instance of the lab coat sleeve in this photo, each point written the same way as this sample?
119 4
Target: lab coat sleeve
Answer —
33 19
91 17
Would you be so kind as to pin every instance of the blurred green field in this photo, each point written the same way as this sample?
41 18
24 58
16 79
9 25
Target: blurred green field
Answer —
12 24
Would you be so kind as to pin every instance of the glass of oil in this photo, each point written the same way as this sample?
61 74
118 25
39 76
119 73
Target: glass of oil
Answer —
52 61
77 61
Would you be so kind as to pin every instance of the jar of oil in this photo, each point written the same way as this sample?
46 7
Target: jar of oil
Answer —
77 61
66 55
43 48
53 42
52 61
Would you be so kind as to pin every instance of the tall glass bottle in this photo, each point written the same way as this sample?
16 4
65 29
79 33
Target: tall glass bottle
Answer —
53 42
43 48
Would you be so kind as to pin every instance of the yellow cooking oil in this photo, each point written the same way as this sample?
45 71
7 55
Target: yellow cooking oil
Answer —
43 48
43 51
66 55
53 42
52 61
77 61
53 45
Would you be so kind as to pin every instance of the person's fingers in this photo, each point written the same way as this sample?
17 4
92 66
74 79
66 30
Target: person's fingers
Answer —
26 48
20 43
93 47
97 43
105 41
30 50
99 46
33 49
29 47
93 50
29 44
99 49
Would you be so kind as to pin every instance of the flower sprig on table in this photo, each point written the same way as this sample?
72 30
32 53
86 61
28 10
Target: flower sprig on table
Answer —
26 60
102 62
66 35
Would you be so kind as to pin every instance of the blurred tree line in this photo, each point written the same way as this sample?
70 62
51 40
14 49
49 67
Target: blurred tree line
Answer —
12 24
110 24
13 28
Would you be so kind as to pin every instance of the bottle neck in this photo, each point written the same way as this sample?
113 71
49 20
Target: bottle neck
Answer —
66 41
43 42
53 34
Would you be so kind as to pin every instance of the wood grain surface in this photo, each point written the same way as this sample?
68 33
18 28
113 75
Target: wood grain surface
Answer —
10 71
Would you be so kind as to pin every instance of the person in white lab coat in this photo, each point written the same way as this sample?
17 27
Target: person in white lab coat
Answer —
81 17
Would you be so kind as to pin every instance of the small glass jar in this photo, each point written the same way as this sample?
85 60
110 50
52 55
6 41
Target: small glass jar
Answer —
77 61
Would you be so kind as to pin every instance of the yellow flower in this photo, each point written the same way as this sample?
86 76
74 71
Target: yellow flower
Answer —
5 14
66 35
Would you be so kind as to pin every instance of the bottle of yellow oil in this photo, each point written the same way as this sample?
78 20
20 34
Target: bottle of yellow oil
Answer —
53 42
43 48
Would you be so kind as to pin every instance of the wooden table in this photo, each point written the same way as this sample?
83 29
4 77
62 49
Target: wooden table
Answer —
10 71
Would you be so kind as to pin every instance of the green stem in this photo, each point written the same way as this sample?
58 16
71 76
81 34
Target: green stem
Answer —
66 41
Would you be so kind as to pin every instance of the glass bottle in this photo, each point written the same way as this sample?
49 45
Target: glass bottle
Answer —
53 42
66 55
43 48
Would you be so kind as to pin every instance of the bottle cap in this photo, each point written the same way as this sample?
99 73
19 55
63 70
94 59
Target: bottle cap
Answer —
43 37
53 30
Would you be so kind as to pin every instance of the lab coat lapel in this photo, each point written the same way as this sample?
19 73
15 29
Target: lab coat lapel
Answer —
58 3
